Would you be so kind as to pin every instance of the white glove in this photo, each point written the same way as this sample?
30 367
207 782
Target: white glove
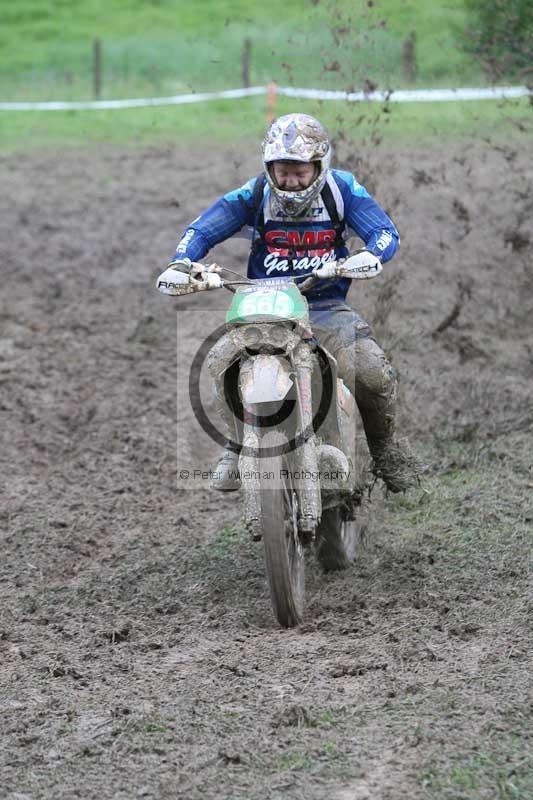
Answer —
362 265
173 281
328 270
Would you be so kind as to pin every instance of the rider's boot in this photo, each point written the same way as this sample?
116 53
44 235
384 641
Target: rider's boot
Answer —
226 476
394 463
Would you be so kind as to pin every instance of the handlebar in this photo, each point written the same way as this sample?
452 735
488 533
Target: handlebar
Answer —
176 283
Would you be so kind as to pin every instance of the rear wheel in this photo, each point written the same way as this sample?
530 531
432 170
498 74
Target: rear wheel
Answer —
338 540
284 555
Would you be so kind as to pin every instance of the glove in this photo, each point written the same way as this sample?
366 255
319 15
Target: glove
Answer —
362 264
328 270
182 265
174 282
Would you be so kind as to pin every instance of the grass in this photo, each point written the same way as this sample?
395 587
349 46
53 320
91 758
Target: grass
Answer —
228 539
484 510
476 774
169 46
464 733
293 761
475 522
172 46
245 120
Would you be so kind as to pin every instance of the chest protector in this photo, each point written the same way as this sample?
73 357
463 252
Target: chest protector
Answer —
259 220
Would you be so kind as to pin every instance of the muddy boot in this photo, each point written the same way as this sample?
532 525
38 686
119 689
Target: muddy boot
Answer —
395 463
226 473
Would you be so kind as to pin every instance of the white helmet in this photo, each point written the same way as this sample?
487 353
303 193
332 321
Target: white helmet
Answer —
297 137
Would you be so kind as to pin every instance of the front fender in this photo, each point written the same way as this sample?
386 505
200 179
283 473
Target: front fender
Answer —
264 379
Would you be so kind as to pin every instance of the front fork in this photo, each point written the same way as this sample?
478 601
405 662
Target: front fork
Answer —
303 459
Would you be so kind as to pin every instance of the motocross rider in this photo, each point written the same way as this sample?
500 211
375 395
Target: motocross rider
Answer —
298 214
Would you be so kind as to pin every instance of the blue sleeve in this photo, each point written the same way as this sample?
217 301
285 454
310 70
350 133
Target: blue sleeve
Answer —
366 218
228 215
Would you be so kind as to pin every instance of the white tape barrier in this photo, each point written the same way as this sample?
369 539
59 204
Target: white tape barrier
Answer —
410 95
176 100
399 96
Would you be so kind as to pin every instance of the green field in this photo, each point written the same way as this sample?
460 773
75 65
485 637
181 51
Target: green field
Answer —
170 46
242 120
164 47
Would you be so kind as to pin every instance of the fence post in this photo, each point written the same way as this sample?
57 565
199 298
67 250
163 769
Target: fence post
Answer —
246 48
409 58
97 69
271 102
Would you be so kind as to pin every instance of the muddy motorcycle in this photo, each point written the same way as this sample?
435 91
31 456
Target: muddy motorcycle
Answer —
302 458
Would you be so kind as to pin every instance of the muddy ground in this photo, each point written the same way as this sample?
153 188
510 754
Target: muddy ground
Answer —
138 653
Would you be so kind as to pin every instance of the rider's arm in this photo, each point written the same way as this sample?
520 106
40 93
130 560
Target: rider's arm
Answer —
366 218
228 215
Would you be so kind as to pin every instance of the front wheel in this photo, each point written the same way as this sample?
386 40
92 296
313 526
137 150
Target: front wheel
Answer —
338 540
284 556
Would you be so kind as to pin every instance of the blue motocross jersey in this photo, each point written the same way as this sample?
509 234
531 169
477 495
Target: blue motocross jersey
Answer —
289 246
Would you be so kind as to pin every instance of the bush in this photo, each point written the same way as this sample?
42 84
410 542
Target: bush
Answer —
500 35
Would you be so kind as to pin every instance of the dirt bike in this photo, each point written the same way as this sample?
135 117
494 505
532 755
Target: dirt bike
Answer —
301 462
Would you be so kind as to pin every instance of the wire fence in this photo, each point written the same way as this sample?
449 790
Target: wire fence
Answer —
110 69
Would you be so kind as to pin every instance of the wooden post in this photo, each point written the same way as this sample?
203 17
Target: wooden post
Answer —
409 58
271 114
97 69
246 48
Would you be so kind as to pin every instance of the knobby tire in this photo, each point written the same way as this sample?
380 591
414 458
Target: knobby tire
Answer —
284 557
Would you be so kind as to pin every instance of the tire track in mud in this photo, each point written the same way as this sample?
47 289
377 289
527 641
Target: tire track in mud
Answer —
139 656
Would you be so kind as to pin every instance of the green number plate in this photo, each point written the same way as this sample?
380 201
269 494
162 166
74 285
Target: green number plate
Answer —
266 303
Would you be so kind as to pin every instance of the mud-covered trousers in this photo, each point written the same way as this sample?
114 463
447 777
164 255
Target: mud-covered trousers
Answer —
361 362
